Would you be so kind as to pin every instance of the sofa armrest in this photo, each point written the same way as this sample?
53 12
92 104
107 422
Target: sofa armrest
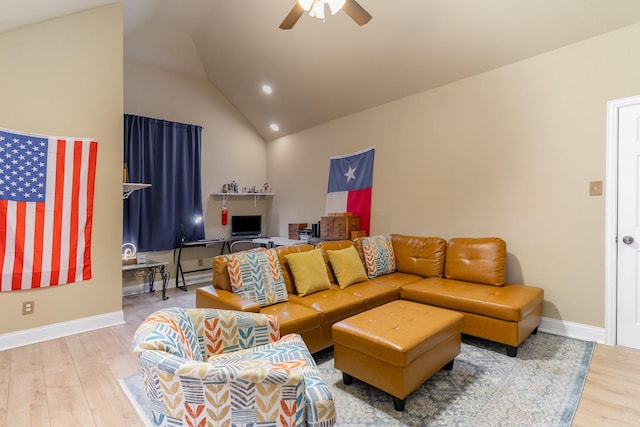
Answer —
210 297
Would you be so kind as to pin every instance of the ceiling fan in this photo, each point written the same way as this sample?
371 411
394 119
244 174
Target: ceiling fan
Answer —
316 9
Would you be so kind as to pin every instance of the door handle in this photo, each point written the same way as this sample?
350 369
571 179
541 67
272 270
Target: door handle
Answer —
627 240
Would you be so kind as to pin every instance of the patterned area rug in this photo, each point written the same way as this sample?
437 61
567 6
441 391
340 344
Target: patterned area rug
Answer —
539 387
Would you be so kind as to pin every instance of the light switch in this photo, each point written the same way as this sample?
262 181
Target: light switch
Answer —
595 188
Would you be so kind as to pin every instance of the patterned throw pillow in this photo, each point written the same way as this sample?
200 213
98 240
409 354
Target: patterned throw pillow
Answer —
257 276
378 255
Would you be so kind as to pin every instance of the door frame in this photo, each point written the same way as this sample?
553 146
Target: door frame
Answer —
611 217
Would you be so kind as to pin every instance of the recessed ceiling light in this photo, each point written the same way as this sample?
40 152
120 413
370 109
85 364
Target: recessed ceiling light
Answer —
275 127
267 89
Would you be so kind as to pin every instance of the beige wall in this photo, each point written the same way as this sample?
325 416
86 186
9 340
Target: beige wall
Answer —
507 153
64 77
231 148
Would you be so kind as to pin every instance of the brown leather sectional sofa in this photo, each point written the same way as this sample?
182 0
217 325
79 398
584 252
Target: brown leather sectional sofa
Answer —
465 274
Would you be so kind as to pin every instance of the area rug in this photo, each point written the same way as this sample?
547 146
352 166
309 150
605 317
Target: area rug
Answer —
539 387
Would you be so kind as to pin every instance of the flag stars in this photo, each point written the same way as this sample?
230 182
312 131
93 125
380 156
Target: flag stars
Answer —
22 167
350 173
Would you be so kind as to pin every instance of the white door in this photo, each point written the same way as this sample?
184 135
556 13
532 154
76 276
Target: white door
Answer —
628 233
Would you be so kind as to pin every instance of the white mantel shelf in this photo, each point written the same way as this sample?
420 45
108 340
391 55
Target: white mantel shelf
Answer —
255 196
130 187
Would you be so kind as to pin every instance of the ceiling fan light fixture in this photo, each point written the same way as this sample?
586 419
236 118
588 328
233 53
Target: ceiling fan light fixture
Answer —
306 4
335 5
317 10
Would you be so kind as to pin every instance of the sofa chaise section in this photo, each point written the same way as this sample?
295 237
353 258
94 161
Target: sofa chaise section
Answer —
474 285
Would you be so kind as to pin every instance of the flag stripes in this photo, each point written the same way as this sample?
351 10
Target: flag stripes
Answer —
46 239
350 183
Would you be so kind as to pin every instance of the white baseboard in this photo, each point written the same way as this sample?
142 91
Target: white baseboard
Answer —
58 330
191 279
63 329
573 330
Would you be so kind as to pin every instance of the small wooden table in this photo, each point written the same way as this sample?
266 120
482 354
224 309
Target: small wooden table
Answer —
149 269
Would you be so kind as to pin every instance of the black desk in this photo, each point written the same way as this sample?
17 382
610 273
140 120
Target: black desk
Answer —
205 243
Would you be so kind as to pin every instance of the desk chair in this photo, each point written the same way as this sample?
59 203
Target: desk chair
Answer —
242 245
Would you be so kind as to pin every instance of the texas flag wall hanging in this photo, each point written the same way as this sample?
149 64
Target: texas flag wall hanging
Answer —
350 182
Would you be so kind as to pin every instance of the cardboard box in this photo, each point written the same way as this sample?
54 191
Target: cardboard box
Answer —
339 227
294 228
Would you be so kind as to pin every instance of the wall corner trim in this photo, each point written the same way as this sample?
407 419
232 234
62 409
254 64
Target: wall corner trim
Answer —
572 330
59 330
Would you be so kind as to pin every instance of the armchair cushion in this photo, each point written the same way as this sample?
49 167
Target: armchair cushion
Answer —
257 276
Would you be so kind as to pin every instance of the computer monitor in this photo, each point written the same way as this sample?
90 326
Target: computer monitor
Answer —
246 226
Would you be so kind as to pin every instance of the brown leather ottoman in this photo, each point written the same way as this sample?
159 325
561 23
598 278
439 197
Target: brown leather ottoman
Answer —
397 346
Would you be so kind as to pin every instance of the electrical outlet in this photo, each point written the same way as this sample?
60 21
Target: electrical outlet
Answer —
595 188
28 307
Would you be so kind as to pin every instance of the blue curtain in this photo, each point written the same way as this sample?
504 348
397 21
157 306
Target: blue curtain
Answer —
167 156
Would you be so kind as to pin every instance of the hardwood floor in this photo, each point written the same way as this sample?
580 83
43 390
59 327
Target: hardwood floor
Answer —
72 381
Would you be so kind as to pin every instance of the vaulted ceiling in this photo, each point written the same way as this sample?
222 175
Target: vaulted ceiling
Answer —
320 71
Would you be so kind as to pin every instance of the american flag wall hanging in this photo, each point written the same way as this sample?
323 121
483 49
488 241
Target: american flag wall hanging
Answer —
46 209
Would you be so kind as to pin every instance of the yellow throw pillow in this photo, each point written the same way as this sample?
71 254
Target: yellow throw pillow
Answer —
347 266
309 271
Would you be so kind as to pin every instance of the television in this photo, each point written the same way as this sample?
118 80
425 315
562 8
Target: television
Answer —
246 226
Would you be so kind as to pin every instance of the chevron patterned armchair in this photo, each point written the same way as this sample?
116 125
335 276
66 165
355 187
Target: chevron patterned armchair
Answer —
227 368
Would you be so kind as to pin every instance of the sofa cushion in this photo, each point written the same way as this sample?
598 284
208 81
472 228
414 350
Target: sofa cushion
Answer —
379 257
257 276
422 256
510 302
333 304
479 260
293 318
309 271
397 279
347 266
373 293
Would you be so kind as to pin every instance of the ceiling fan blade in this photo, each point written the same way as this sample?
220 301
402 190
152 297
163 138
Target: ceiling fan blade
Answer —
356 12
293 16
